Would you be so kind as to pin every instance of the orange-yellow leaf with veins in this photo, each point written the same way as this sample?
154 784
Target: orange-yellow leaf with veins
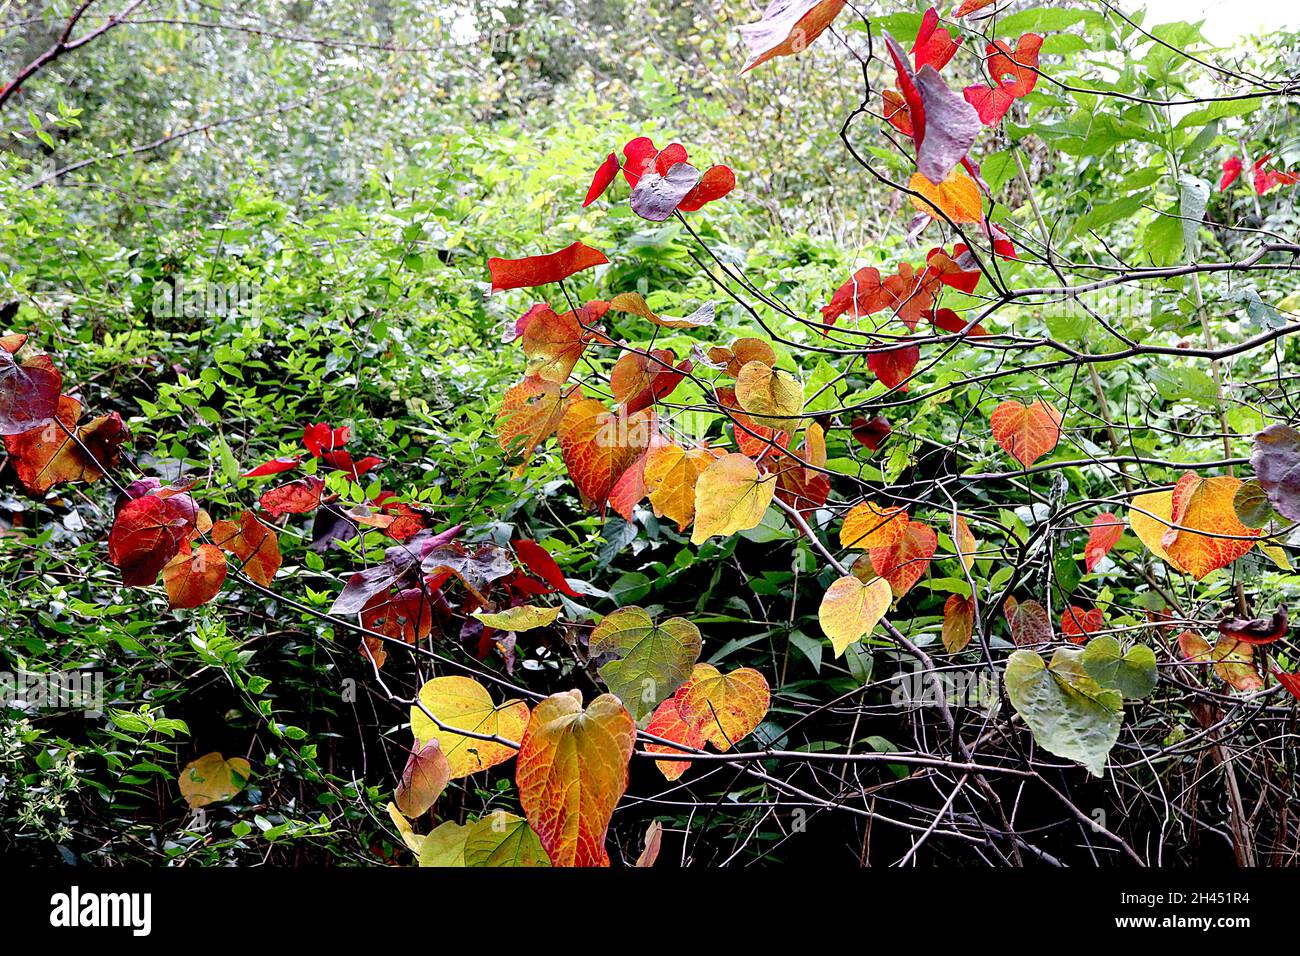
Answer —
963 540
772 397
725 707
1167 522
667 723
256 545
47 455
530 413
671 473
1026 432
957 197
868 525
958 623
572 770
553 343
194 576
599 446
729 497
850 609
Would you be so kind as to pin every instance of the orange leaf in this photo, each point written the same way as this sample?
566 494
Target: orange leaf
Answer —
1078 625
423 780
725 707
957 197
538 270
1195 505
194 576
530 413
787 27
599 446
553 343
640 379
903 562
256 545
295 497
1105 531
572 770
1026 432
671 473
867 526
47 455
667 723
964 542
958 623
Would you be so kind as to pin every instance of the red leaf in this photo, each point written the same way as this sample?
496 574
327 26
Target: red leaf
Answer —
716 182
1105 531
871 432
273 467
147 533
1077 625
342 460
1015 73
894 365
1259 630
864 294
29 392
321 437
539 270
951 273
894 109
296 497
934 44
944 125
194 576
600 182
538 560
1290 681
1231 170
949 321
787 27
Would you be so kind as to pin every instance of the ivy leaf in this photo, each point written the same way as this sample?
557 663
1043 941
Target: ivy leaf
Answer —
724 707
424 779
572 770
464 703
539 270
212 778
850 609
1132 673
730 497
653 660
1069 713
194 576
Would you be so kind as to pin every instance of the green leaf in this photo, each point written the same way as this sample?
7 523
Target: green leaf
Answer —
1251 504
653 660
1133 674
1069 713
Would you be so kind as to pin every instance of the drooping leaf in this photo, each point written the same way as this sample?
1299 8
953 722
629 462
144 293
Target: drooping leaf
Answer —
1026 432
634 303
964 541
320 437
464 704
256 545
1256 630
730 496
539 270
787 27
958 623
571 772
525 617
1276 460
538 560
424 778
1234 661
871 432
652 659
274 466
212 778
29 392
1069 713
850 609
600 181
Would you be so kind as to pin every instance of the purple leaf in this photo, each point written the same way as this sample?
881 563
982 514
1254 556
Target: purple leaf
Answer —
656 197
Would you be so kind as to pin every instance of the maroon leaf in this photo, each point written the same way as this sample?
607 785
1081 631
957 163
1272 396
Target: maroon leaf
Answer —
29 393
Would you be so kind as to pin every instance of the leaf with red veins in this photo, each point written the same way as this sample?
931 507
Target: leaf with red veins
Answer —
600 182
530 413
893 366
599 445
146 534
1026 432
29 392
296 497
864 294
1105 531
539 270
667 724
538 560
934 44
1077 625
275 466
59 452
1028 621
787 27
